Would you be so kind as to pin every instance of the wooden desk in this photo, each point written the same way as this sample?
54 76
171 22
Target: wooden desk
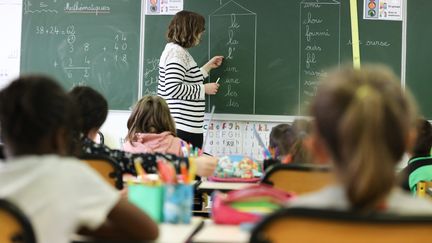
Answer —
215 233
209 186
172 233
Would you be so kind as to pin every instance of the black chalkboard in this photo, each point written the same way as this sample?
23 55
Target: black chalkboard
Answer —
419 52
94 43
275 49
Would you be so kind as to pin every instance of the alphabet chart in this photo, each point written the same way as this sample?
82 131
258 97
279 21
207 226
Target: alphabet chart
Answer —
236 137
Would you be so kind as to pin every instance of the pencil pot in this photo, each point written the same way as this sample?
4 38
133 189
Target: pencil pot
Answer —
178 203
148 198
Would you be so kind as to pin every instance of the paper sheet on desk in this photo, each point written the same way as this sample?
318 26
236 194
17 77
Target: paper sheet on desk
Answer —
178 233
212 233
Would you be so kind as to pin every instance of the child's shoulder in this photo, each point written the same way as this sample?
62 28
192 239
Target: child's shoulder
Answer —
60 168
48 162
329 197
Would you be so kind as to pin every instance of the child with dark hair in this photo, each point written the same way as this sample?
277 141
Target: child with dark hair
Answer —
281 139
286 143
60 194
93 110
363 123
419 166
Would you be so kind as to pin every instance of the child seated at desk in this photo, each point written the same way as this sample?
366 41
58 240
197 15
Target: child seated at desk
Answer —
59 194
93 109
419 166
286 143
363 123
152 129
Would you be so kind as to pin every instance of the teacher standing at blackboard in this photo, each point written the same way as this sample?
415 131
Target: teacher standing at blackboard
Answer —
180 78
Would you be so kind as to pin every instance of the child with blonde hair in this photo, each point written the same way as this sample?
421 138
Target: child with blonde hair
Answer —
363 123
93 110
152 129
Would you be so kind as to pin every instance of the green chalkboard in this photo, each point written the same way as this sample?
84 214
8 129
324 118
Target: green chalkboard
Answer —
274 50
94 43
419 50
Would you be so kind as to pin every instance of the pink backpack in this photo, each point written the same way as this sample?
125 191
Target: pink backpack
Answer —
247 205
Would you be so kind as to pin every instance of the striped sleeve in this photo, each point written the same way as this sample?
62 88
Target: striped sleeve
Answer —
175 74
204 72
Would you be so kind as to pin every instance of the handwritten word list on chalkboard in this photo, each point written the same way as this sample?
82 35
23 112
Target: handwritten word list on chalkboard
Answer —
232 33
320 23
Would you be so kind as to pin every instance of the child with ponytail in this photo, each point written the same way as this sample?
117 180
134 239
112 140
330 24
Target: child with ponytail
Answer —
363 123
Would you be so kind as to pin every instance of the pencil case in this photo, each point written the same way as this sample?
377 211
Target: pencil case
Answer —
164 203
178 203
237 168
149 199
247 205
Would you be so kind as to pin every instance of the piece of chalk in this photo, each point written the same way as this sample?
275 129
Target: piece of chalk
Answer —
217 80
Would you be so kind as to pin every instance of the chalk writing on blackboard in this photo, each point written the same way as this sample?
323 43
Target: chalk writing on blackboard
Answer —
237 44
319 45
378 43
87 8
82 42
151 76
41 8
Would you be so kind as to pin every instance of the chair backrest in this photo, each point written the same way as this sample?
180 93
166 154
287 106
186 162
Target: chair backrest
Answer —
298 178
107 167
15 227
315 225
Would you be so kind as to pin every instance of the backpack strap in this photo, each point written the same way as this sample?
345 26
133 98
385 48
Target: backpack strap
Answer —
416 163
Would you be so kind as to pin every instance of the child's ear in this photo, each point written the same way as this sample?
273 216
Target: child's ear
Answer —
317 148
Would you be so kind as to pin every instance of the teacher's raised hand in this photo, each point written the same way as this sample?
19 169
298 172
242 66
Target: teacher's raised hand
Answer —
215 62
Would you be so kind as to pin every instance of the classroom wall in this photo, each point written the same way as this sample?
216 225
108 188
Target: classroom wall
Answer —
114 129
10 24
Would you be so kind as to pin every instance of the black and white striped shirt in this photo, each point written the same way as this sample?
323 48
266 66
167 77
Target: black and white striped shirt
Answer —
181 85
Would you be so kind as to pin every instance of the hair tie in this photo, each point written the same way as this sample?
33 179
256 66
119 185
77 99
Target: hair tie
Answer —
363 91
